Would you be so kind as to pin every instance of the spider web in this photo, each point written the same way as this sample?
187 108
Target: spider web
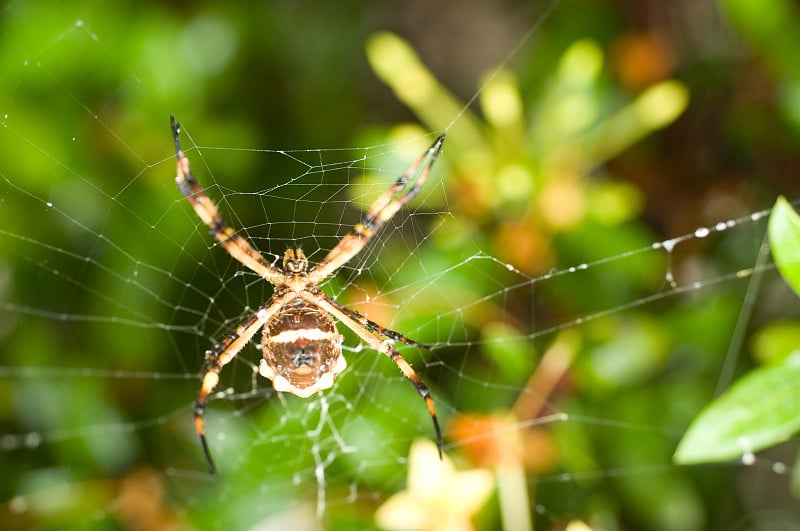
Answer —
111 290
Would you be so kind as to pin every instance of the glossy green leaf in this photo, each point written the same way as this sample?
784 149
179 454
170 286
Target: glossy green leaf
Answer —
784 240
758 411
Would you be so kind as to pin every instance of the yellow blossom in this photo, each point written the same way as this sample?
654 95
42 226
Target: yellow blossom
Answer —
438 496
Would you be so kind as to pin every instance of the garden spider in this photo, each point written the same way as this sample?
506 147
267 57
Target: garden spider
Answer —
302 348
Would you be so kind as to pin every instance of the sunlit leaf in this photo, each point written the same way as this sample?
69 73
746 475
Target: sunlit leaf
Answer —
784 240
760 410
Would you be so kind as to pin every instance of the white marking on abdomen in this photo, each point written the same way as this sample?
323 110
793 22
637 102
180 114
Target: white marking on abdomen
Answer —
310 334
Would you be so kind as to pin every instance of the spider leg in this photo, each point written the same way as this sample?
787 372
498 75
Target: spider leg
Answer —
375 327
232 242
379 213
386 348
222 354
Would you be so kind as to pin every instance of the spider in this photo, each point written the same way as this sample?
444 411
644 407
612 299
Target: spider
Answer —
302 349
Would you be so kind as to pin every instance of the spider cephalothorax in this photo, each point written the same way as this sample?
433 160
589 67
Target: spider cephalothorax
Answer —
301 347
295 263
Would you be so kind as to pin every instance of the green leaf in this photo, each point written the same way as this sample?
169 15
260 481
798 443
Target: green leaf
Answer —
759 410
784 240
774 341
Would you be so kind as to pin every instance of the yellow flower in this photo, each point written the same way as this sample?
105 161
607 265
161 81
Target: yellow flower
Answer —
438 496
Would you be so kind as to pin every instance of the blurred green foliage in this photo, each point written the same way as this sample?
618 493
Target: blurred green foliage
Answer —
760 410
614 128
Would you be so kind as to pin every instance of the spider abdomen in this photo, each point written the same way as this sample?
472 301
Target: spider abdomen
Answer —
302 349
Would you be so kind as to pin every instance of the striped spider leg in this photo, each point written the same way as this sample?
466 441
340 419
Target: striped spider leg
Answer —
381 211
301 347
